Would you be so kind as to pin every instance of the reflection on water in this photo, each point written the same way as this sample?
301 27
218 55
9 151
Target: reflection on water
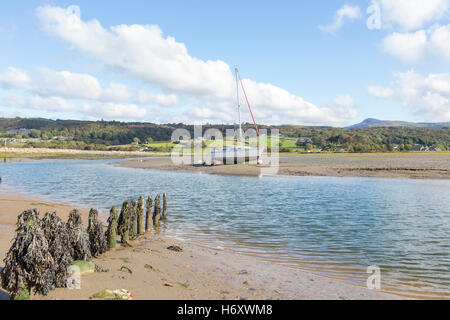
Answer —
337 226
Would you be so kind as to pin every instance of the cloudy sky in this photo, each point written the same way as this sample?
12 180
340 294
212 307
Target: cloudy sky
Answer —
302 62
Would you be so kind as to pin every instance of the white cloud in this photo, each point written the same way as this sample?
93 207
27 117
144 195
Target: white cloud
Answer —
275 105
68 85
116 92
112 111
406 14
96 110
15 78
428 98
208 86
39 103
415 32
140 50
407 47
416 47
63 84
346 12
440 42
169 100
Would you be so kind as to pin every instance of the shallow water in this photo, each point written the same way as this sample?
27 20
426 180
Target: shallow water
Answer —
334 226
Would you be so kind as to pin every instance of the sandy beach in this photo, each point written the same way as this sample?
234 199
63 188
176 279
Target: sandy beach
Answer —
389 165
198 272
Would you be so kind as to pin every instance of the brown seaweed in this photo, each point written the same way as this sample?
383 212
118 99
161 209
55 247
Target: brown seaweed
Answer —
29 266
97 240
124 223
79 243
57 235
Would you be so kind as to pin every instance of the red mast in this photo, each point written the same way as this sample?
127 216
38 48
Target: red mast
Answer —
249 108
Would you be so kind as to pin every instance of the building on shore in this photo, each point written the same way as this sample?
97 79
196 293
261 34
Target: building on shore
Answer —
419 147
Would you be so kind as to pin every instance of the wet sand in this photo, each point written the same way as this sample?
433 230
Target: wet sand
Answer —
390 165
198 272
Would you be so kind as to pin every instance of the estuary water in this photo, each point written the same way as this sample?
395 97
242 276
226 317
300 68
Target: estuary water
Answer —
327 225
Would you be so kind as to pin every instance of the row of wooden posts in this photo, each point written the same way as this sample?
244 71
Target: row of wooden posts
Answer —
42 250
135 219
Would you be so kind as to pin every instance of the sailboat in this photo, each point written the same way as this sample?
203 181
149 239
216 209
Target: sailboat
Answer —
238 153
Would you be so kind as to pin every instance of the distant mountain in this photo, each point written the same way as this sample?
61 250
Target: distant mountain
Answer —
375 123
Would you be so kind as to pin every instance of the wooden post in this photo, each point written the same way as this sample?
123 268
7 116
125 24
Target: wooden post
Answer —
157 211
134 228
97 240
124 223
80 246
149 217
140 215
164 211
111 233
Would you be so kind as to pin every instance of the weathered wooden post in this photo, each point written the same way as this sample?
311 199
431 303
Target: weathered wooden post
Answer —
57 235
28 263
97 239
149 217
157 211
134 228
79 245
164 211
123 226
111 233
140 215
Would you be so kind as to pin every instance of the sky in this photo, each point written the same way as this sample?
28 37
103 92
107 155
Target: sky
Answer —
302 62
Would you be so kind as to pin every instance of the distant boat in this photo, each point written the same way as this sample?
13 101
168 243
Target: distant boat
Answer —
238 153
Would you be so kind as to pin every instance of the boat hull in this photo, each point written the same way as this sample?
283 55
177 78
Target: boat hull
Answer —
235 155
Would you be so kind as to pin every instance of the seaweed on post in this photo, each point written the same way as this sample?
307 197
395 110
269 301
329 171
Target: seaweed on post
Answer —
29 265
124 223
164 210
57 235
140 215
111 232
149 216
157 211
97 238
133 220
79 244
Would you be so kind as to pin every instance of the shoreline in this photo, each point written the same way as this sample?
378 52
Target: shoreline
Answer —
413 166
199 272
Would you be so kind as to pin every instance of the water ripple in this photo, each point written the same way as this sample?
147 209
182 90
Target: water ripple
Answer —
329 225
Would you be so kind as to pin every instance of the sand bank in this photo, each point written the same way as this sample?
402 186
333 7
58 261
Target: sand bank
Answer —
198 272
26 154
393 165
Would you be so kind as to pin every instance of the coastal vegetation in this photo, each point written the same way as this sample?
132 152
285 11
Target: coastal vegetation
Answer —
149 137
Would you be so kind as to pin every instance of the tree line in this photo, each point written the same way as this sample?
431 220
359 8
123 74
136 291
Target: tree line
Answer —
115 135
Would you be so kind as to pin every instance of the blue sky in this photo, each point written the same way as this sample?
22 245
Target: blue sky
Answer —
303 62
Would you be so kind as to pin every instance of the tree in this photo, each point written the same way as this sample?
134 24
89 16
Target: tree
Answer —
136 140
149 140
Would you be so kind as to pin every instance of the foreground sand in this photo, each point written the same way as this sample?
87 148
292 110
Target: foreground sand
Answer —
198 272
390 165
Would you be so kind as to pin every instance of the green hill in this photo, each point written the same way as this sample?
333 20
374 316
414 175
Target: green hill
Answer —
375 123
